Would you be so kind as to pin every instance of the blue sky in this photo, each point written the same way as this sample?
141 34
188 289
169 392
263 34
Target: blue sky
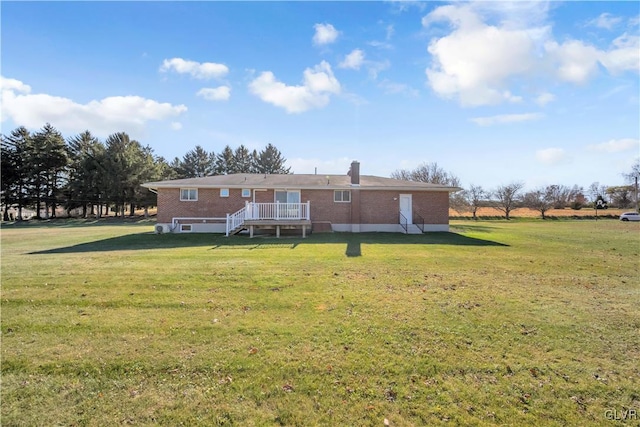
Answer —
494 92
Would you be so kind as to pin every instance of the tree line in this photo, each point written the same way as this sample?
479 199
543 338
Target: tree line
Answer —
44 171
509 197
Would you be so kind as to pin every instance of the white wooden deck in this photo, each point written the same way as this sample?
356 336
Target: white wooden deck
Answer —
270 215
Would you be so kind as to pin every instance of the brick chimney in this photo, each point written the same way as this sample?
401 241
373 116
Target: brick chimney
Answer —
354 173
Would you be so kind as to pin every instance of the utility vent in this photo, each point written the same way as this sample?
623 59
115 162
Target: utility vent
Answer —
161 228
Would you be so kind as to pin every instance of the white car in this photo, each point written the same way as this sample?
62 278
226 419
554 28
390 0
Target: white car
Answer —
630 216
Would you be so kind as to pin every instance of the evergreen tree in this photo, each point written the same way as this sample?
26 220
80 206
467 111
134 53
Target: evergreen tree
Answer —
86 174
270 160
124 158
225 162
57 162
197 163
148 169
53 158
15 176
242 160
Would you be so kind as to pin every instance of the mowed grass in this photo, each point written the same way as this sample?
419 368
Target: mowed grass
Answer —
496 323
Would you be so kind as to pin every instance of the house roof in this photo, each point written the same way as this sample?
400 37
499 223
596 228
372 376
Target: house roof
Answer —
302 182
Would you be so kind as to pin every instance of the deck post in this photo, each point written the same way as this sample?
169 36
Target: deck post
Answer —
278 231
251 231
304 231
227 227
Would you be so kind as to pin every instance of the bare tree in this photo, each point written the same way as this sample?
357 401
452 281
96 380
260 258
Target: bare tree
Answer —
621 196
634 173
434 174
597 191
541 199
561 195
506 197
632 178
427 172
473 198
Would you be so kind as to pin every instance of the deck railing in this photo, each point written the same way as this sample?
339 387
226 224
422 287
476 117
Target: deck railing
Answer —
419 221
267 211
277 211
404 223
235 220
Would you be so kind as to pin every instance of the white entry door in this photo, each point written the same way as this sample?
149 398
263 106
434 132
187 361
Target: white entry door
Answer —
406 208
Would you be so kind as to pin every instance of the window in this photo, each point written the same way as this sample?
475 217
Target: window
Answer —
224 192
246 192
287 196
185 228
342 196
189 194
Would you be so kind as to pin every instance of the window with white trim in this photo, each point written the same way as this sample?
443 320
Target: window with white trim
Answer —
224 192
189 194
342 196
246 192
287 196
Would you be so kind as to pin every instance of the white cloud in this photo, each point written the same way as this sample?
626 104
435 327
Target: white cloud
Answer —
551 156
176 125
14 85
405 5
375 67
577 61
325 34
380 45
506 118
606 21
623 56
394 88
102 117
545 98
220 93
318 84
476 61
354 60
203 71
389 31
616 145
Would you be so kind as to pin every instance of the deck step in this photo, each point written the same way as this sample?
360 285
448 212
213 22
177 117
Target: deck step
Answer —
413 229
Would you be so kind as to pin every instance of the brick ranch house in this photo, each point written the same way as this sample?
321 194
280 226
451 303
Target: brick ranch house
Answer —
347 203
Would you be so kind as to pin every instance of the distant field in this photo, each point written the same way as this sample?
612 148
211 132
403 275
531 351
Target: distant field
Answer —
530 213
497 323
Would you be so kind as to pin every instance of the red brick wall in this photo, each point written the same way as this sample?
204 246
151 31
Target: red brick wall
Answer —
209 204
432 206
383 207
376 207
323 208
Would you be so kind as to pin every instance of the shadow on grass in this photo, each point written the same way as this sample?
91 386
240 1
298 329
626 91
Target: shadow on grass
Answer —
79 222
353 242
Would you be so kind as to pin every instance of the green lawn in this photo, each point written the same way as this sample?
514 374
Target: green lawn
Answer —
499 323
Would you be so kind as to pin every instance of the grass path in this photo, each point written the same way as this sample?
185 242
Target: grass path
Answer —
498 323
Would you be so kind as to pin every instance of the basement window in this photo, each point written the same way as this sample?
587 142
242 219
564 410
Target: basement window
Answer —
189 194
342 196
185 228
